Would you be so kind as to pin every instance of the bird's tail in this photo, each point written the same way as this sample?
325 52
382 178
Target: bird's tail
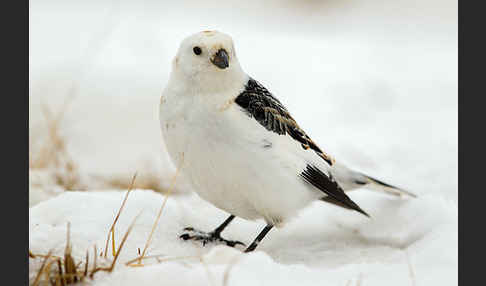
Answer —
377 185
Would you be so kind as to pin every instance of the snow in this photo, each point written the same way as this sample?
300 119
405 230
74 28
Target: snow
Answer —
325 244
373 83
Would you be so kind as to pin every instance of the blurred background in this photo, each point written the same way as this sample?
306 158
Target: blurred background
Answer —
380 77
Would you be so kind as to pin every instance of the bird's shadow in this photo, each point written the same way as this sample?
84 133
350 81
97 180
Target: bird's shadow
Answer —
328 236
338 237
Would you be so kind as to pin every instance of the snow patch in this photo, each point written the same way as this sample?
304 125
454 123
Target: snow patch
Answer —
324 244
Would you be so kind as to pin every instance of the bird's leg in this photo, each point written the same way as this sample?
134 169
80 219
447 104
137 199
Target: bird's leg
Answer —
259 238
214 236
225 223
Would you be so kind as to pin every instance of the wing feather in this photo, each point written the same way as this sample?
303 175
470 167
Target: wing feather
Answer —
329 186
260 104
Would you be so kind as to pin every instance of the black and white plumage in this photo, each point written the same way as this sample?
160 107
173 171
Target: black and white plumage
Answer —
260 104
239 146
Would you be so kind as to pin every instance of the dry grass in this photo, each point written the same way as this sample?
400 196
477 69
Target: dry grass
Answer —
64 270
53 153
48 150
159 258
67 271
124 239
112 227
72 272
148 181
156 222
410 269
70 268
41 269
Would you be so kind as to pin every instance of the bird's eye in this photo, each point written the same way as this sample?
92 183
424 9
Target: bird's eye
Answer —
197 50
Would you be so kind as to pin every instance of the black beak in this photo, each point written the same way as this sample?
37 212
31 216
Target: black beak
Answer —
221 59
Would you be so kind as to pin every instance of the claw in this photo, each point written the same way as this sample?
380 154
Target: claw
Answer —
206 237
232 243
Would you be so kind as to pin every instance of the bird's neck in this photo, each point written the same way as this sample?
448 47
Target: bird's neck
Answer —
224 84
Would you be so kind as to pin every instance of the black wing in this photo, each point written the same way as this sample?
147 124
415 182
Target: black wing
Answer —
328 185
260 104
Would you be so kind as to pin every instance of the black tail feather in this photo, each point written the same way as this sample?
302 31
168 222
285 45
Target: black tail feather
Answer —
387 188
330 187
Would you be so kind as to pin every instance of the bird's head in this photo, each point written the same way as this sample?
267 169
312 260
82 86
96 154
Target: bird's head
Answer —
207 60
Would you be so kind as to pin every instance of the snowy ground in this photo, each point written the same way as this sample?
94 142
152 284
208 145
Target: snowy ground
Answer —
408 242
381 77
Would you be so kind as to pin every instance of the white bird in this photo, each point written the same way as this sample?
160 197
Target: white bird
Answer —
239 146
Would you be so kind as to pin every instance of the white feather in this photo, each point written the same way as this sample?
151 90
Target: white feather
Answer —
224 152
223 148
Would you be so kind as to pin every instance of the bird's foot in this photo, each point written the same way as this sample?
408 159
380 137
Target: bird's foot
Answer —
207 237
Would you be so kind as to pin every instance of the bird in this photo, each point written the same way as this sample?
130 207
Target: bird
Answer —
240 148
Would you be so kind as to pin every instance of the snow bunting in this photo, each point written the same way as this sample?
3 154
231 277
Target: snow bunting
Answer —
242 150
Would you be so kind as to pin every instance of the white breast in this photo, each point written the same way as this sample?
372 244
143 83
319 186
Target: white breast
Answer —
234 162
